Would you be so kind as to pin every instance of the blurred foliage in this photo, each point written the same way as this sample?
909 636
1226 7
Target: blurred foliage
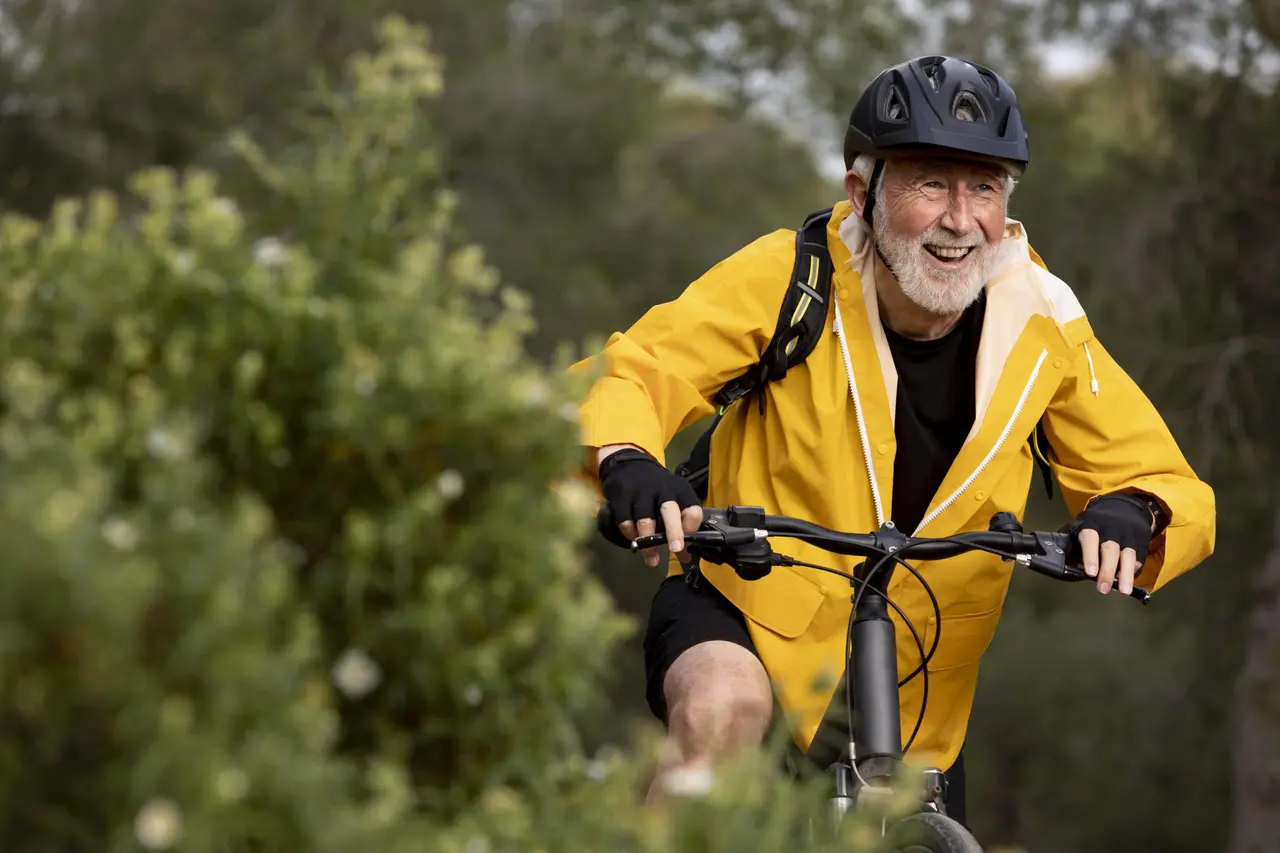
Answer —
292 528
239 461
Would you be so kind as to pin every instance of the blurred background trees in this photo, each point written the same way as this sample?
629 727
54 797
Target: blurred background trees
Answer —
604 155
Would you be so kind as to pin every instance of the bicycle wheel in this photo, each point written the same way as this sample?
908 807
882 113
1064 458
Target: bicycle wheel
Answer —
930 832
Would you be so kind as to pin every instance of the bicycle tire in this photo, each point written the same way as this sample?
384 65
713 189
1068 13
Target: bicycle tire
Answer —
930 832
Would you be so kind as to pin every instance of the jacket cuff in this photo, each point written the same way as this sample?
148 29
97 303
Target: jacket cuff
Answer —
618 412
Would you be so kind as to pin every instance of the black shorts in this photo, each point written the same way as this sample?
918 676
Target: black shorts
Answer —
684 614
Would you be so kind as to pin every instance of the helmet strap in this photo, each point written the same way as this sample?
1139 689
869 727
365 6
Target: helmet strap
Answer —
885 261
873 184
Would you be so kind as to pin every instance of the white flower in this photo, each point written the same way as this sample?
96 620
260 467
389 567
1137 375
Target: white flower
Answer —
365 384
158 826
120 534
356 674
162 445
226 206
569 411
536 393
472 695
576 497
450 484
477 844
184 262
270 252
597 770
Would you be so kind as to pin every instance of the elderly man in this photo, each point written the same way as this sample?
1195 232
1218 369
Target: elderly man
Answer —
948 344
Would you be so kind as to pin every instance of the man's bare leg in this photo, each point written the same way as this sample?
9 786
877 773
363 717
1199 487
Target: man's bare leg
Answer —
718 700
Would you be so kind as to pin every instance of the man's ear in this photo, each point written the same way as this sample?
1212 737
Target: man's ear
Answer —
855 187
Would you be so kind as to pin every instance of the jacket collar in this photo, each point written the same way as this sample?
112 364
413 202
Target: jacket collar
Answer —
1023 355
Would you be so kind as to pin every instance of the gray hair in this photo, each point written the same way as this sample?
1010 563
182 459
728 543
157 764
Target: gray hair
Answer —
864 163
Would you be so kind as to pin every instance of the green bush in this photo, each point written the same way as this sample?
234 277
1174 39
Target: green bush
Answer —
291 538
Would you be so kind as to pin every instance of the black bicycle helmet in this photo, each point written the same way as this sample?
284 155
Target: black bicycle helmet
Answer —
939 102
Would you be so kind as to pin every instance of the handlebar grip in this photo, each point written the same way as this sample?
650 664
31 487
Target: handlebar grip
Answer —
608 528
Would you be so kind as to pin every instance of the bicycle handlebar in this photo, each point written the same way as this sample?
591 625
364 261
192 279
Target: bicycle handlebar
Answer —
739 536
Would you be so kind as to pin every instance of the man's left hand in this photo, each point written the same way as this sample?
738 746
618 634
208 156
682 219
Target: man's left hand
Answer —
1114 532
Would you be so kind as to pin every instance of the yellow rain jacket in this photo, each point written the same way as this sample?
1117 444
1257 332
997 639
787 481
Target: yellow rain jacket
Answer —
826 424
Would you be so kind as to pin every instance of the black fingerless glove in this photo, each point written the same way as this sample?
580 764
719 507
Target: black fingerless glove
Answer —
1121 518
636 485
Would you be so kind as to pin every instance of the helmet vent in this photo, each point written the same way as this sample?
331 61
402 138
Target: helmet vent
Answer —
990 79
967 107
895 106
933 71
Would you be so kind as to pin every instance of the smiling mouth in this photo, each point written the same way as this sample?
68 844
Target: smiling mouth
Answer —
950 254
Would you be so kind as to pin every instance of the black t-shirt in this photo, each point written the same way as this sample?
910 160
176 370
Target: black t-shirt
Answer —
935 411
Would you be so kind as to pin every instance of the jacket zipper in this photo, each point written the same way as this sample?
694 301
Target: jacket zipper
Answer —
862 424
1004 435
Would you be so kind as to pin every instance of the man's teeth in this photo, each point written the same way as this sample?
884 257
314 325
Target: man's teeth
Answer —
950 252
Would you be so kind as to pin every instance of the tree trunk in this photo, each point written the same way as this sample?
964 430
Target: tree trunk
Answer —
1256 745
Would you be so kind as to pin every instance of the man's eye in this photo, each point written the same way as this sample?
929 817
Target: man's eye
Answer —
933 185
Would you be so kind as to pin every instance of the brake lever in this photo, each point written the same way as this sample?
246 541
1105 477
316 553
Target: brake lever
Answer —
653 540
1056 548
1074 575
705 539
746 549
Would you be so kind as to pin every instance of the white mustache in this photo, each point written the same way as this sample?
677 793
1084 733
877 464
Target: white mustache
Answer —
944 240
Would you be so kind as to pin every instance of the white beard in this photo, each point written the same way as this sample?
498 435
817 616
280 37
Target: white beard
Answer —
944 293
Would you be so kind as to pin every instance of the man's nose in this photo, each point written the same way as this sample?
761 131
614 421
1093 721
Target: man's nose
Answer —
958 217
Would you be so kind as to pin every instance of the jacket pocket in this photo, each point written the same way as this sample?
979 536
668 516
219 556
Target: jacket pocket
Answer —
965 638
784 601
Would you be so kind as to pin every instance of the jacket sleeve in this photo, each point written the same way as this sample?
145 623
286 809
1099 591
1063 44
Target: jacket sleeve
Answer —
661 374
1114 441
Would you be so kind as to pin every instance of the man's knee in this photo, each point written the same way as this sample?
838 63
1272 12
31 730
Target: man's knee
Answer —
718 697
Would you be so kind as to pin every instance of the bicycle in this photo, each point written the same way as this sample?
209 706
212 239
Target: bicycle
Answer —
739 537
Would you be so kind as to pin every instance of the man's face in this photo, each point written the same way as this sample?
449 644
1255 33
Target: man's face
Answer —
939 223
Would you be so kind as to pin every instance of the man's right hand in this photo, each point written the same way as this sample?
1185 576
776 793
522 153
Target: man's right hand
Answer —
640 490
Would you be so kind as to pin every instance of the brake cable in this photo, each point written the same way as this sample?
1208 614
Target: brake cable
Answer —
922 668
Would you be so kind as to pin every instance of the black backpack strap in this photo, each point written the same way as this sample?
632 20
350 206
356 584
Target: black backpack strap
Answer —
802 318
801 322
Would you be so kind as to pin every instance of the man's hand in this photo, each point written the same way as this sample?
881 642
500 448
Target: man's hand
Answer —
1114 534
640 490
